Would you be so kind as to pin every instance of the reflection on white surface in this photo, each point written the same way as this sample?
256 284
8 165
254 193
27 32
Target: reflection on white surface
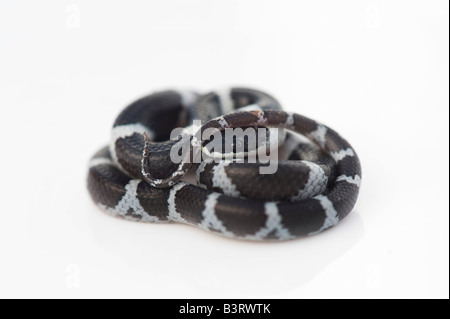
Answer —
211 265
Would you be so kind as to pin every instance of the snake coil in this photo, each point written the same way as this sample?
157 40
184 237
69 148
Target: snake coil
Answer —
315 186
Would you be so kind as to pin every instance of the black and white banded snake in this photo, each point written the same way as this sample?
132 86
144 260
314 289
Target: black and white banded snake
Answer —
315 187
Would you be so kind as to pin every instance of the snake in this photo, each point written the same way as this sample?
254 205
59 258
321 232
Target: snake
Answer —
315 186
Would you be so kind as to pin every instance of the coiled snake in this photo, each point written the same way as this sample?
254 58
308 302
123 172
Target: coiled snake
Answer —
316 184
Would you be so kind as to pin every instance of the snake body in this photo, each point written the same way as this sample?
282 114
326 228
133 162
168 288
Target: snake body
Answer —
316 184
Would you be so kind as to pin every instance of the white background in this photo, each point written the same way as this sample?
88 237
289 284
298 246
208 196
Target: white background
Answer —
376 71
